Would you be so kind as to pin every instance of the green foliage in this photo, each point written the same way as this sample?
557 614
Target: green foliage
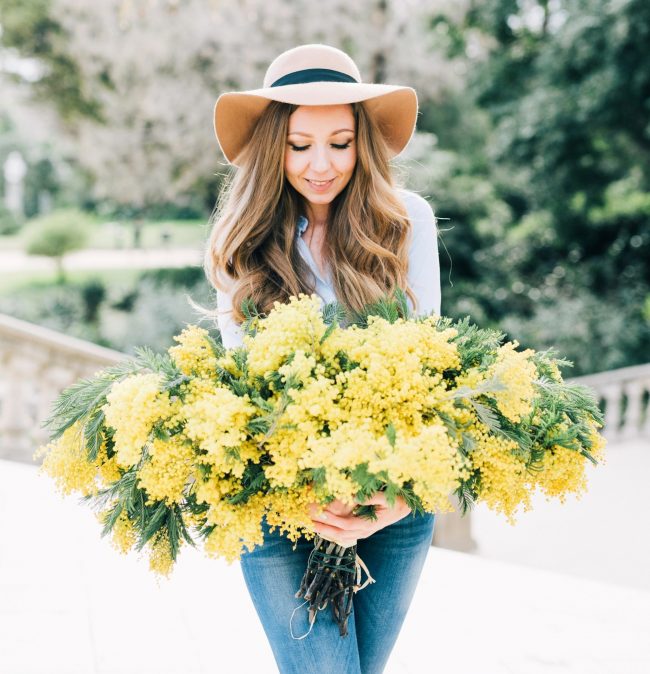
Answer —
251 315
93 293
253 481
32 27
594 333
77 224
389 308
9 223
542 166
181 277
59 233
473 342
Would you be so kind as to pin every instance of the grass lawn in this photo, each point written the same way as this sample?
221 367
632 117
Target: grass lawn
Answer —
14 282
182 234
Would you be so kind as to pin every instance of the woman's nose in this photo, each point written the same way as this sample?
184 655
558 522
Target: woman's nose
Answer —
320 161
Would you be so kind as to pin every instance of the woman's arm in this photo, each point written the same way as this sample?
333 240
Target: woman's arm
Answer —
231 332
424 265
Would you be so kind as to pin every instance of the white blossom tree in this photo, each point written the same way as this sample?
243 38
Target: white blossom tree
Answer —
154 68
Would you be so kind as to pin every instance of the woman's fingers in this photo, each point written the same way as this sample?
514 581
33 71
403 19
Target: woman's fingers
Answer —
340 508
334 521
376 499
346 536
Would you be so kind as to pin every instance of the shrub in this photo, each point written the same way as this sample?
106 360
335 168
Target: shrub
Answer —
58 233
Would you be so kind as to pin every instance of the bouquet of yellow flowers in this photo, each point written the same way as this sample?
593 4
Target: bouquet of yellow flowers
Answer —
199 444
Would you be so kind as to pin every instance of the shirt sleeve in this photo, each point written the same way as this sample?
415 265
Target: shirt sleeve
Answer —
231 331
424 264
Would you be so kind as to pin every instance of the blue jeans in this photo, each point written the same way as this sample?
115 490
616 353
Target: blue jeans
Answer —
394 556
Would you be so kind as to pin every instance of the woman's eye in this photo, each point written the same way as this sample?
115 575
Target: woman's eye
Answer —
301 148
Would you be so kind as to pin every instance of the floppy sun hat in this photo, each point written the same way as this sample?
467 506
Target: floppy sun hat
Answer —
314 74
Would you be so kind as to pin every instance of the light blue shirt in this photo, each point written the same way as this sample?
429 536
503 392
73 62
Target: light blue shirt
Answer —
423 270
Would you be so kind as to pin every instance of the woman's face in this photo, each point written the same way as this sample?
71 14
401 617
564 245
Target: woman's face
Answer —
321 146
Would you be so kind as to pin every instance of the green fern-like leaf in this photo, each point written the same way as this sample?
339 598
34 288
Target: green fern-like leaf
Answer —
151 522
79 400
111 518
251 316
486 415
93 433
333 313
391 434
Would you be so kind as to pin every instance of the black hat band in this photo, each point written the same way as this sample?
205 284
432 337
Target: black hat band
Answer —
313 75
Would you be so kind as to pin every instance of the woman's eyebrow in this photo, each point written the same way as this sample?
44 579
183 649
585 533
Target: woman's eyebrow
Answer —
308 135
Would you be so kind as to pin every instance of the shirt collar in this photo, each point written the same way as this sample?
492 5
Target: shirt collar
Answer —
302 225
306 253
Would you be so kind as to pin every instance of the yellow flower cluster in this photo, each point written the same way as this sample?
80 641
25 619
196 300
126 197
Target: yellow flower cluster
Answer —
215 420
65 460
300 367
227 362
563 472
133 406
193 354
123 534
517 372
108 469
160 554
288 328
236 527
287 511
504 477
167 470
377 404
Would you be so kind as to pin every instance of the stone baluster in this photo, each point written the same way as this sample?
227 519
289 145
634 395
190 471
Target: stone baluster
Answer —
36 364
633 411
52 380
612 394
17 416
645 428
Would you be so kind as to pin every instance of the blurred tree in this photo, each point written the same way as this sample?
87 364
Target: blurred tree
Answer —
568 94
93 293
33 29
57 234
533 134
570 97
136 82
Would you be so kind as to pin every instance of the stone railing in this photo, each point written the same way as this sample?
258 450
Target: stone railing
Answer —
36 364
624 397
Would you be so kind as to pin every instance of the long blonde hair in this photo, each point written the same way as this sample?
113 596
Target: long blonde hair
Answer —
251 249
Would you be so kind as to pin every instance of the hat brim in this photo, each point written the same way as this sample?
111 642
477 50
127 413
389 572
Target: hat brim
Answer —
394 107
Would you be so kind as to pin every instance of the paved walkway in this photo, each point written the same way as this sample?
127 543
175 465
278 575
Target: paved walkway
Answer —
69 604
599 536
17 261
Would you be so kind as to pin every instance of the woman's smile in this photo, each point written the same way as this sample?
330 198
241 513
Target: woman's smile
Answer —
320 185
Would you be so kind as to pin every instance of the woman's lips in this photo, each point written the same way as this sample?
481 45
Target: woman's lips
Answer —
320 188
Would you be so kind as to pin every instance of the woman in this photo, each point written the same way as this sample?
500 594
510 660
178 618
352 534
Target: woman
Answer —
314 208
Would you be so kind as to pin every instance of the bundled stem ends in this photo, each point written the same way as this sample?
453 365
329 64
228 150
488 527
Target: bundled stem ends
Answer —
332 576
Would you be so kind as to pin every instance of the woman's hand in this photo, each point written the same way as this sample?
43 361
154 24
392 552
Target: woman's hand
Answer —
336 522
